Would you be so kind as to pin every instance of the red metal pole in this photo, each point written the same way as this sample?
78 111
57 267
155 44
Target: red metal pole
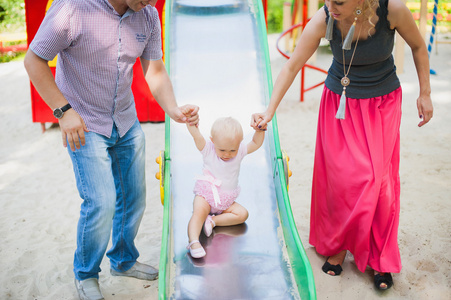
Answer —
265 9
304 22
302 83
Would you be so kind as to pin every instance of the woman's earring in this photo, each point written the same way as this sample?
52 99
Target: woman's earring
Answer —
330 28
348 40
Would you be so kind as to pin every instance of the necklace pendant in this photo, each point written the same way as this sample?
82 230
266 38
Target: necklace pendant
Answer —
345 81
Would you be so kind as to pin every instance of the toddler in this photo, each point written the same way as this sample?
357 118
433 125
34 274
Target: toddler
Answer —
216 190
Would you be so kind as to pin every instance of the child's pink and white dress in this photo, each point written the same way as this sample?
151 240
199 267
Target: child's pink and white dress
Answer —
219 182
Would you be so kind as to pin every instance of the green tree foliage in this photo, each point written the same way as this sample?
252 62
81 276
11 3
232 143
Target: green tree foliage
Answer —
12 15
275 15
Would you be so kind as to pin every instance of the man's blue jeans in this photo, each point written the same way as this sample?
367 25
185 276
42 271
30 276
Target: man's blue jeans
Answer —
111 181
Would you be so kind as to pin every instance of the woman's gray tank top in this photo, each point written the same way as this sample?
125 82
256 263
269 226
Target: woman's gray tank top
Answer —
373 72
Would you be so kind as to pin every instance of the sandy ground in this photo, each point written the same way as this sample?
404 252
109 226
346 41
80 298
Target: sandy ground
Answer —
39 203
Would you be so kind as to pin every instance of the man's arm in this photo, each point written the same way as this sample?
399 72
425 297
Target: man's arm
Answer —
71 124
161 87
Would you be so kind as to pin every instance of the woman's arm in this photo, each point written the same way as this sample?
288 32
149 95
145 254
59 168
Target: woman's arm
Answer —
307 45
401 19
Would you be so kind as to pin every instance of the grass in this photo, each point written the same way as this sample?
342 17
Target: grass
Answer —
12 56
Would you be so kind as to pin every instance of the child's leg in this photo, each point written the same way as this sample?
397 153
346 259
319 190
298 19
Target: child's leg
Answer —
234 215
201 209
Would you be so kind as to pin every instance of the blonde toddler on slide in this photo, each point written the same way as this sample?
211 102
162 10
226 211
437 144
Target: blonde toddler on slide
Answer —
217 188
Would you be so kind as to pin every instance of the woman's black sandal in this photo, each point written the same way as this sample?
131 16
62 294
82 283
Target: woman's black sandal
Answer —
334 268
380 279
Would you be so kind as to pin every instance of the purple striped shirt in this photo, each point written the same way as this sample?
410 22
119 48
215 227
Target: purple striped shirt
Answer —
97 49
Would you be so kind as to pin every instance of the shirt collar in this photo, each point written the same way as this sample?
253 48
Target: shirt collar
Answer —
126 14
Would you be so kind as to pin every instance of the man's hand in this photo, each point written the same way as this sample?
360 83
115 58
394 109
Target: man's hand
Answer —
186 114
73 129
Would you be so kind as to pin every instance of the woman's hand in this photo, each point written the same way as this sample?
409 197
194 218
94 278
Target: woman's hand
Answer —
259 121
425 109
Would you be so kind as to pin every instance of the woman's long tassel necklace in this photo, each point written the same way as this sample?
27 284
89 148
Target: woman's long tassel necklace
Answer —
345 80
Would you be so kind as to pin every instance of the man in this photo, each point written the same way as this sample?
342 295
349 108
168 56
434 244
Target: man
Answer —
98 41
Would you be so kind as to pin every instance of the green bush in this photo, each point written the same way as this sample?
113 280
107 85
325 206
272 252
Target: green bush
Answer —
12 15
12 19
7 57
275 15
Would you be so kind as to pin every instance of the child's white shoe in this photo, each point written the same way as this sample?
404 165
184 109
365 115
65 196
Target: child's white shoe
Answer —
198 252
209 225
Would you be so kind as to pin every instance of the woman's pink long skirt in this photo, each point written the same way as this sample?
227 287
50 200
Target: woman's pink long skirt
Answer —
356 187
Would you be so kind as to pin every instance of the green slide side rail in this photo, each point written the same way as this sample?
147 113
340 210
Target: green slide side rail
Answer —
163 276
298 258
300 264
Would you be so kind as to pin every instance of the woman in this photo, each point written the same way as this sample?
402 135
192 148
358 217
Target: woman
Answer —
356 187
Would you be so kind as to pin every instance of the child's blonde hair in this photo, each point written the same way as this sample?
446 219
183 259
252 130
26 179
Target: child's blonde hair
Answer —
227 127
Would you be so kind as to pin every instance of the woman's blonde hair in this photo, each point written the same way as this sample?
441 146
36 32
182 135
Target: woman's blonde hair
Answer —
369 8
227 127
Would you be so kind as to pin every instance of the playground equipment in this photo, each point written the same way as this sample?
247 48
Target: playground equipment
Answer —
422 17
217 57
299 23
6 38
431 38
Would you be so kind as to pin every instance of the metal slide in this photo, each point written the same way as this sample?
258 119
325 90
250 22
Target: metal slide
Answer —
216 53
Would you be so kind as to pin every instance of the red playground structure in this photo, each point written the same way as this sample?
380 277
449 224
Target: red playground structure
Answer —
299 19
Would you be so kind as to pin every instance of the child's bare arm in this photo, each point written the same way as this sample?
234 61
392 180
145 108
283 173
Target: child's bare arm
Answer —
199 140
257 141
